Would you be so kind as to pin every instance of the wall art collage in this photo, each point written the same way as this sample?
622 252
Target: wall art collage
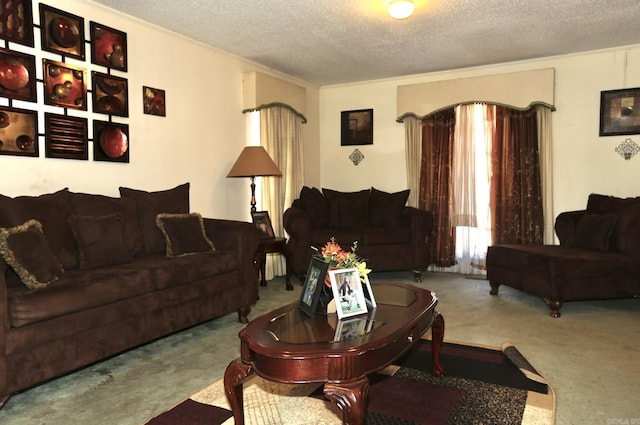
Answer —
65 86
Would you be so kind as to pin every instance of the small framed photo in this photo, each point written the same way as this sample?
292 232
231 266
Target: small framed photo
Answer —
17 22
153 101
108 46
110 141
348 292
357 127
263 223
312 287
351 328
110 94
65 85
18 132
17 75
66 137
620 112
61 32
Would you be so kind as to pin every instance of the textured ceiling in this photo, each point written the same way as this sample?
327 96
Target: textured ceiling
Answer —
340 41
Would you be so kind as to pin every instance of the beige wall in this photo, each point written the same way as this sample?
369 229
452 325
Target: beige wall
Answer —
198 141
583 161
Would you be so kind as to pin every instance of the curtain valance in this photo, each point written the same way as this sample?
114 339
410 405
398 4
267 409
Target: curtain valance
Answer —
519 90
263 91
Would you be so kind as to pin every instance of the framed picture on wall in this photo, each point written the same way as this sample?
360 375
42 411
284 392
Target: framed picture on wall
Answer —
66 136
18 132
61 32
356 127
110 94
17 75
16 22
110 141
620 112
65 85
108 46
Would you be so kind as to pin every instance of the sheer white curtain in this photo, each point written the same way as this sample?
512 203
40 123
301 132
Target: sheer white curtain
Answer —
413 156
281 136
543 115
470 187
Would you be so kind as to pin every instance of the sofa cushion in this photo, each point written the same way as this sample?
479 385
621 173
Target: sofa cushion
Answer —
314 202
26 250
348 210
52 210
99 205
100 240
184 234
628 211
149 205
593 232
76 291
385 209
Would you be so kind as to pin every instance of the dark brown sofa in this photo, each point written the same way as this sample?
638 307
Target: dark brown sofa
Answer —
391 236
84 277
598 256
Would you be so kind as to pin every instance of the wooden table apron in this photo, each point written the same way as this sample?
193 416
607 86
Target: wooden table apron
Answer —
341 366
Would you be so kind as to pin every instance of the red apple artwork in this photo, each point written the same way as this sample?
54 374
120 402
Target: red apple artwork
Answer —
113 141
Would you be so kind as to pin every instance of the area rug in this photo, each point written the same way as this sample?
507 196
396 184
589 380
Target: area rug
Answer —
483 386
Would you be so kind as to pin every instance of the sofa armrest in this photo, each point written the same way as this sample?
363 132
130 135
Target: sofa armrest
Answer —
243 237
298 225
421 224
566 223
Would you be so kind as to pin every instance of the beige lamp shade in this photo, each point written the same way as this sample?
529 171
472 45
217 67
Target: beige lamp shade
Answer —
254 161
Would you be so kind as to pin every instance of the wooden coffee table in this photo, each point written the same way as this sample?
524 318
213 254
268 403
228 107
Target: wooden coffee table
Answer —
288 346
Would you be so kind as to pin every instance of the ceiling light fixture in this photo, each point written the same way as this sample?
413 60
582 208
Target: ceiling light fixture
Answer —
400 9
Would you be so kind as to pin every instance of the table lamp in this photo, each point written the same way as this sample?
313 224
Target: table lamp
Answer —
254 161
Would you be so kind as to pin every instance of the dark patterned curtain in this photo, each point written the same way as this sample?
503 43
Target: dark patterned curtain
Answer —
435 183
516 195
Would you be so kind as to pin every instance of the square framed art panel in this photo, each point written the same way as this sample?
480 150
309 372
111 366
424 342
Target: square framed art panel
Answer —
16 21
620 112
153 101
66 137
18 132
356 127
108 46
110 94
110 141
65 85
17 75
61 32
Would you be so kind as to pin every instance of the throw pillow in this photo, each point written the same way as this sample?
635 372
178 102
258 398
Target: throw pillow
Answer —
594 231
315 204
347 209
149 205
385 209
184 234
26 250
101 241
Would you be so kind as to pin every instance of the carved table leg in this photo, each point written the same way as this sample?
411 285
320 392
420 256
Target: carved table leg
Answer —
234 375
437 336
351 398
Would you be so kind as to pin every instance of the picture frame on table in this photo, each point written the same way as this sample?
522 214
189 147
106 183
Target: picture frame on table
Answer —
356 127
61 32
108 46
110 94
348 292
17 75
17 22
312 287
65 85
620 112
18 132
263 224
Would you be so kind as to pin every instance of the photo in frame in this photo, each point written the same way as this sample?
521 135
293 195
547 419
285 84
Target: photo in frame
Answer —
110 94
110 141
312 287
356 127
108 46
348 292
18 132
620 112
61 32
66 137
263 223
65 85
16 22
17 75
153 101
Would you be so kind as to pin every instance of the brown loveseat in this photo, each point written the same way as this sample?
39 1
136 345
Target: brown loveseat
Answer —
598 256
391 236
83 277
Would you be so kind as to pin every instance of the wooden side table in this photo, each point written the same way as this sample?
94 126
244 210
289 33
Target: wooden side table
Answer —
272 246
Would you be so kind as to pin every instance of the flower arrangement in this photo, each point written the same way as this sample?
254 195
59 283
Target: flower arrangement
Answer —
341 259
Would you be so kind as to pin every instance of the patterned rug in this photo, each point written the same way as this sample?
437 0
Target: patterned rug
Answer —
483 386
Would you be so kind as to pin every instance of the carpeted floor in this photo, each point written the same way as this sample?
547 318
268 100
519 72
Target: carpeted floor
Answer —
483 385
